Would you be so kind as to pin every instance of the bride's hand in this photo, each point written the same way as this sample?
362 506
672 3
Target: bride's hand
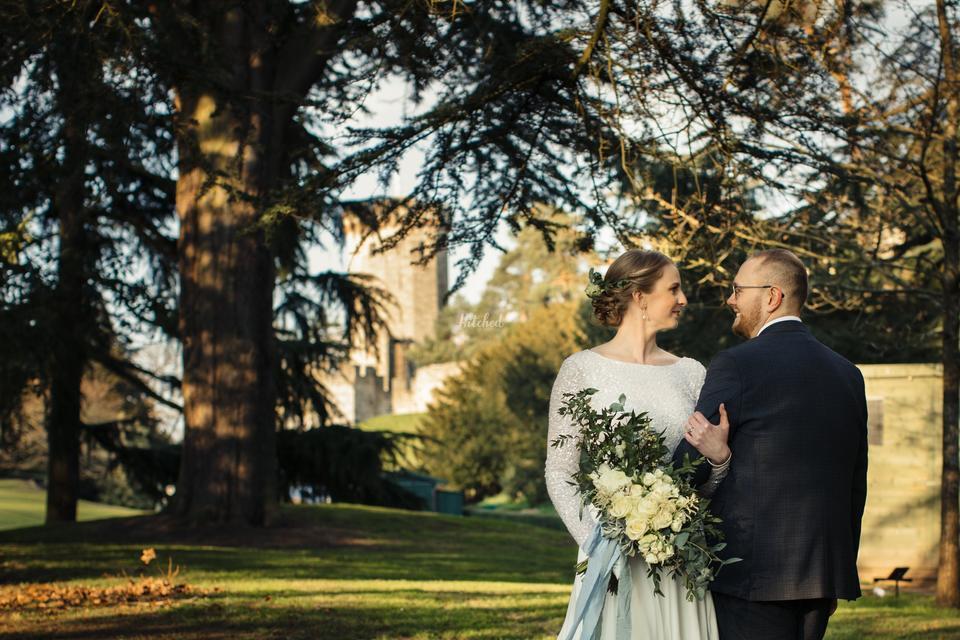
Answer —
709 439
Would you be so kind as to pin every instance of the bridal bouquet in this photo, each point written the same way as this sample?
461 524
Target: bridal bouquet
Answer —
644 504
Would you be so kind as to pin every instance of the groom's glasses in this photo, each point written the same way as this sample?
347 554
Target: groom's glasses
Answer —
737 288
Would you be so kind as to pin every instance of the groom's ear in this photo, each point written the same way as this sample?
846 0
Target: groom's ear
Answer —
776 297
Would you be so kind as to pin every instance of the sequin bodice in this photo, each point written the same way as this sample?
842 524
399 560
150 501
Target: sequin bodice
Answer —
668 393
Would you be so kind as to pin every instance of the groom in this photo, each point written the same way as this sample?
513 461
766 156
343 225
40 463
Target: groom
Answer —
792 501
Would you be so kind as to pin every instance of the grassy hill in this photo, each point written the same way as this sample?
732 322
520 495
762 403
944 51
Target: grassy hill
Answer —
403 423
397 423
342 571
22 504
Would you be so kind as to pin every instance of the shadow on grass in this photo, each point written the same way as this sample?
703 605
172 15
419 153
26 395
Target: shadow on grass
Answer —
331 543
321 526
524 558
318 622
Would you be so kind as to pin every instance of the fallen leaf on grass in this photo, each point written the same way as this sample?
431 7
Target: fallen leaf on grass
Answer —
58 596
148 555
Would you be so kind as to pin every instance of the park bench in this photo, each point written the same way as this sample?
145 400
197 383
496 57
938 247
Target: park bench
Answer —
896 576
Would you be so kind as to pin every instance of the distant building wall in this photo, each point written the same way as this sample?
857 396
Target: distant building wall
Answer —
426 381
359 393
372 384
901 523
417 290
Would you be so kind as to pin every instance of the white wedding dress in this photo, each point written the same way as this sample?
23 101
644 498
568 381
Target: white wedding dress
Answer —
668 393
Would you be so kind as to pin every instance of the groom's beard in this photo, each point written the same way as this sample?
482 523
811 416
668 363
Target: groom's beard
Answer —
745 323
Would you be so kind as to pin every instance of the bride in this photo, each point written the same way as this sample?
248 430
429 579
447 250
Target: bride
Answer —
640 296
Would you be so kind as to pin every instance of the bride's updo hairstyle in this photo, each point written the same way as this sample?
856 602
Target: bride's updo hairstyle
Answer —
636 270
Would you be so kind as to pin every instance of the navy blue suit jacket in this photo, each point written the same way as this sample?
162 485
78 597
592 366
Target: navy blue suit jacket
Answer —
793 499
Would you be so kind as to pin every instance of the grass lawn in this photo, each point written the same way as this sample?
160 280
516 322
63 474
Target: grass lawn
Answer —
344 572
22 505
502 506
403 423
397 423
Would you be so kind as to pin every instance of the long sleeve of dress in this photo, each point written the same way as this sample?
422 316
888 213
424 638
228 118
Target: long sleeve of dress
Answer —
563 462
718 472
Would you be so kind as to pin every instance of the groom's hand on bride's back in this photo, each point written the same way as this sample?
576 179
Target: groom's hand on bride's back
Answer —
707 438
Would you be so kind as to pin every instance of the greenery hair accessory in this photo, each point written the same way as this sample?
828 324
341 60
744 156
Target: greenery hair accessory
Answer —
597 286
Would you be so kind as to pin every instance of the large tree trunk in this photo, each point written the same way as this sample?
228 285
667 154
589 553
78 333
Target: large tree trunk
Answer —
71 314
63 417
228 467
948 576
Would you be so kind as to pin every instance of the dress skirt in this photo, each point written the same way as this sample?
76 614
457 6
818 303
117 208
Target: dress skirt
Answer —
652 617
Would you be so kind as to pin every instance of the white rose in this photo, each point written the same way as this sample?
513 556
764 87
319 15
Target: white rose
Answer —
595 476
636 528
620 450
647 542
651 558
611 481
649 478
644 507
661 520
621 505
662 488
676 525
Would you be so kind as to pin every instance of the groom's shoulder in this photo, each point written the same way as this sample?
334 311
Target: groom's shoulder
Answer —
811 350
842 362
741 355
731 355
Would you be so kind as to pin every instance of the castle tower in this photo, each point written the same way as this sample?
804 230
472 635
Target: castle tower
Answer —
418 293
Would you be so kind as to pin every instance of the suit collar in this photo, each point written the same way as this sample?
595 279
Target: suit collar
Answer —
787 326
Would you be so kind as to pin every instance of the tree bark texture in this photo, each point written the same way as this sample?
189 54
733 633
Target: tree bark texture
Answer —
72 311
228 468
948 575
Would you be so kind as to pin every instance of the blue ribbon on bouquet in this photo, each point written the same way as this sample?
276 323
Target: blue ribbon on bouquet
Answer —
603 555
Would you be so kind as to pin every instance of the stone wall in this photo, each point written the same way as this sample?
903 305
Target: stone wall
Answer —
901 524
394 385
426 380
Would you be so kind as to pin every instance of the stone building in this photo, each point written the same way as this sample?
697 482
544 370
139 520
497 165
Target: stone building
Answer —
901 523
386 383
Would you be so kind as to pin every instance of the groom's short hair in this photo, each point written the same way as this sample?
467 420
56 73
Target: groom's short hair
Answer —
788 270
